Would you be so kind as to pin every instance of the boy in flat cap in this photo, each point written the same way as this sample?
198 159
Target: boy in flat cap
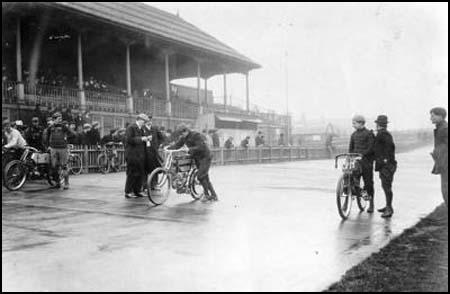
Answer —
440 152
361 142
385 163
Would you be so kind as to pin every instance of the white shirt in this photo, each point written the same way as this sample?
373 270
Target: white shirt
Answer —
15 139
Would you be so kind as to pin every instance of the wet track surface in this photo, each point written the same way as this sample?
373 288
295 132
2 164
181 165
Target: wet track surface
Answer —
275 228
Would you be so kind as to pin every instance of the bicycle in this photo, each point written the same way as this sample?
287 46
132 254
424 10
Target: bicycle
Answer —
74 162
109 160
178 173
347 188
31 165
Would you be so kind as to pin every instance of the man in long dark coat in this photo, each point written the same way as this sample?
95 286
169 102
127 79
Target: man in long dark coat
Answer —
152 158
135 156
440 151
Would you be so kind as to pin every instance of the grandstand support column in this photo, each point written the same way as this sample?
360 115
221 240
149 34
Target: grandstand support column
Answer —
81 94
206 92
247 93
167 81
225 91
200 107
20 86
130 104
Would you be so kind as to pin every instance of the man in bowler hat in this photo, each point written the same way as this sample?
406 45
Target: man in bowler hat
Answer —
385 163
135 143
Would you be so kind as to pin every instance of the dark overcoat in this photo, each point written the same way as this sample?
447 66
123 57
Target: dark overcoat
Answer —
134 150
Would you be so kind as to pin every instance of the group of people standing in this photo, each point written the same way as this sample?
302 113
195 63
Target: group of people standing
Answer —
52 138
379 149
142 142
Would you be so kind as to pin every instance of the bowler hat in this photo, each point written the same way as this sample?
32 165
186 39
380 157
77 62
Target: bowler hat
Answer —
382 120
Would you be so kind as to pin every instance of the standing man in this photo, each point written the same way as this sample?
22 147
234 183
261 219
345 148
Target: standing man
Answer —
245 142
56 139
33 134
362 141
202 156
215 138
440 152
135 156
152 157
281 140
385 163
259 139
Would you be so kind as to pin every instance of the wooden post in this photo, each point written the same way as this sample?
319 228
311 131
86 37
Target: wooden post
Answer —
247 92
198 88
225 91
86 160
167 82
206 92
130 104
222 161
81 94
20 86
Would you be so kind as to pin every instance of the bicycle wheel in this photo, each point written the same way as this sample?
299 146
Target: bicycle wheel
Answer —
15 175
115 164
195 188
160 192
103 163
363 200
75 164
344 196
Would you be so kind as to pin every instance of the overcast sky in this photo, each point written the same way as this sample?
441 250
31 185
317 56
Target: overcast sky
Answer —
341 58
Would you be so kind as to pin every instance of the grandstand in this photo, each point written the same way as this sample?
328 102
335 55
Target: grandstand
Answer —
115 60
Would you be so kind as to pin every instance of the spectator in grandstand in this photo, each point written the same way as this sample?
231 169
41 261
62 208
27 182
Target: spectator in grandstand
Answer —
245 142
229 143
33 134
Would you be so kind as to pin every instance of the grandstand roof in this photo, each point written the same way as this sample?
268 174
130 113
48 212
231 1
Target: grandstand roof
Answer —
157 23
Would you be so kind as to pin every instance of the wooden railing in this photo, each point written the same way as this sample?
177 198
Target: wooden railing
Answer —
221 156
47 95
